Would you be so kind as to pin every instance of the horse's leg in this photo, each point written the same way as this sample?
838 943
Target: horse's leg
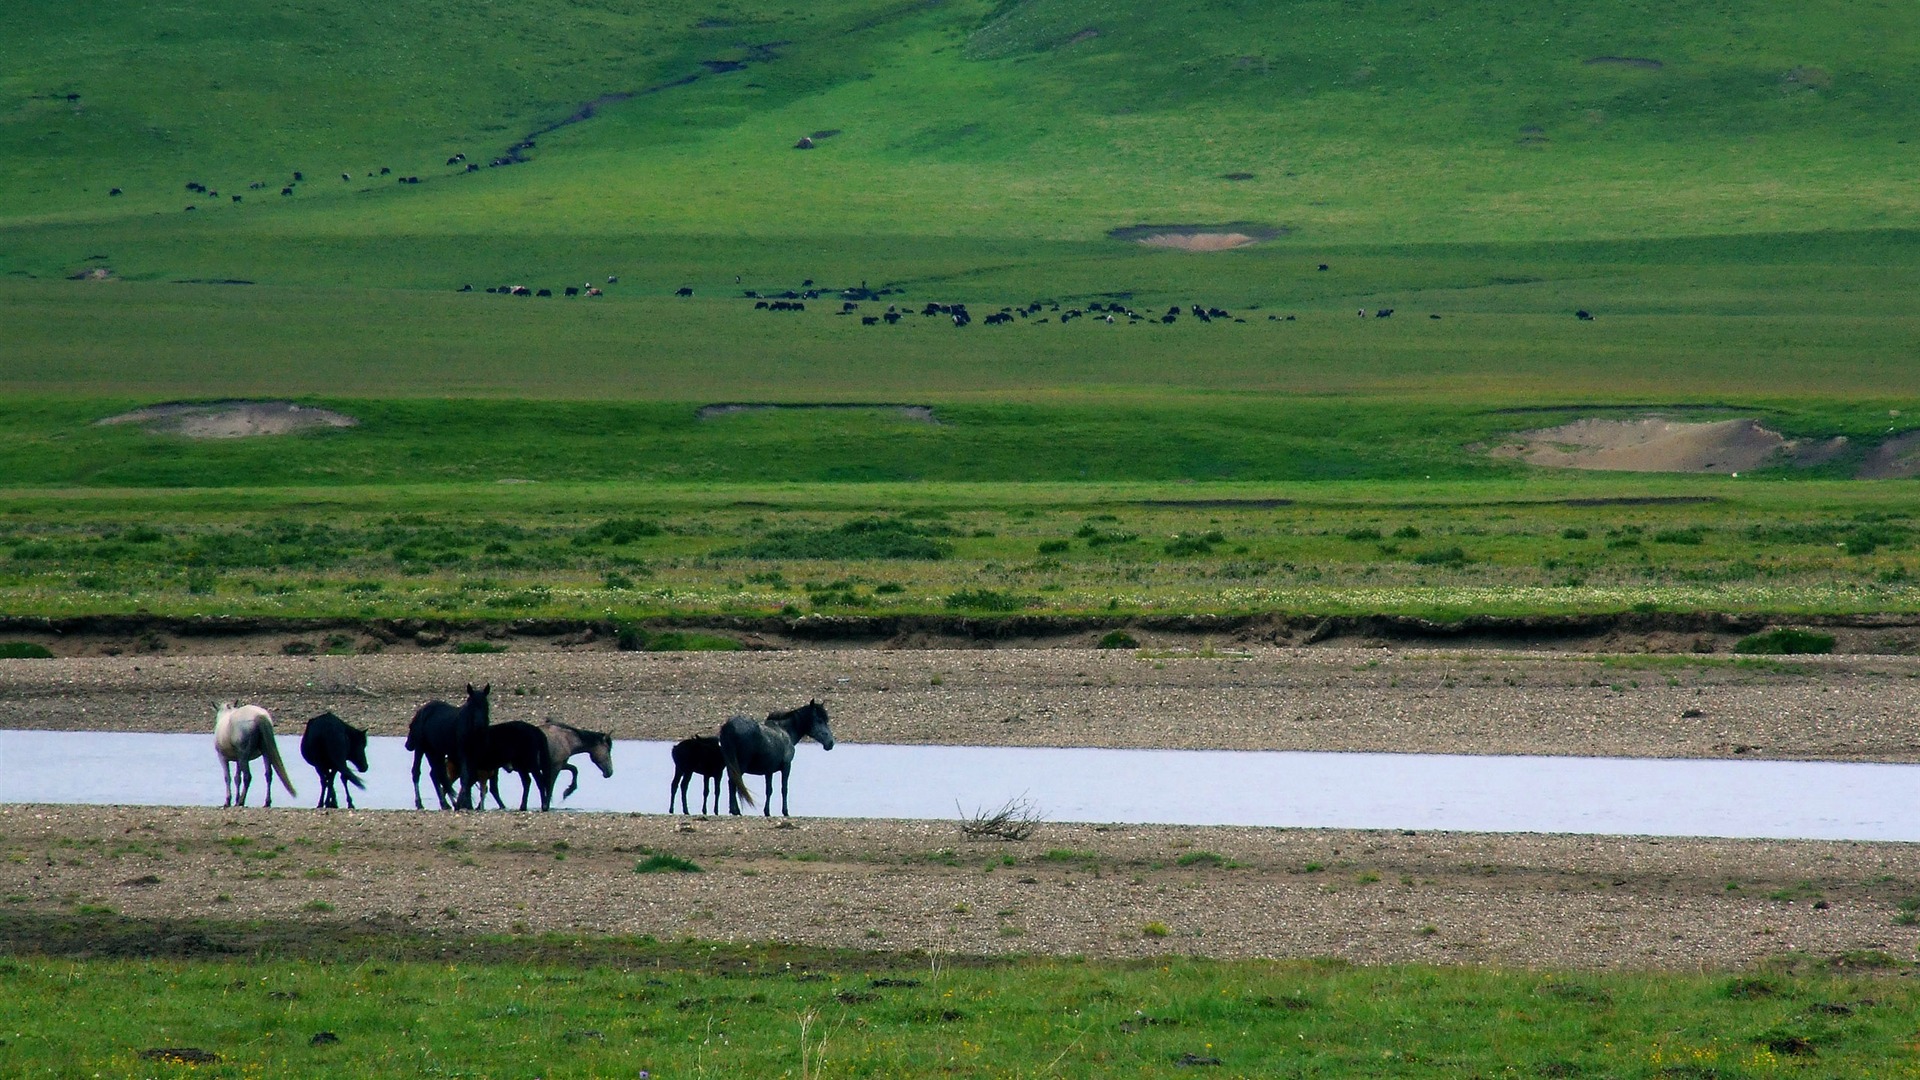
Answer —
226 777
266 766
417 804
573 781
546 791
767 801
783 790
526 786
245 769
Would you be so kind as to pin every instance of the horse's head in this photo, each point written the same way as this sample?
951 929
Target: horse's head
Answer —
357 747
599 747
814 722
477 701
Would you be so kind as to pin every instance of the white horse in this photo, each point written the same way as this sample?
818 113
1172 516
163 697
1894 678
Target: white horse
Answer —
240 734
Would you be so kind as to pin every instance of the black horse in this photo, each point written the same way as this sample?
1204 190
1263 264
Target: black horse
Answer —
518 747
700 754
766 748
444 737
331 745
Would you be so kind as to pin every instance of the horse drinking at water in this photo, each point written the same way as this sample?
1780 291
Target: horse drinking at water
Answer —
766 748
700 754
240 734
334 748
565 740
443 736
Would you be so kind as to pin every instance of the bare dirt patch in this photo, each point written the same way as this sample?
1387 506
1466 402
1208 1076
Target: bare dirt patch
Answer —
1657 444
1198 237
1895 459
231 419
1366 897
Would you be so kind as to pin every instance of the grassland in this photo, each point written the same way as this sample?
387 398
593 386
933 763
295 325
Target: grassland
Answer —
1728 188
642 1008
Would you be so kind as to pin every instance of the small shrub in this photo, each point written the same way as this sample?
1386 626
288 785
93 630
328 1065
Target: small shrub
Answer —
613 579
24 650
1406 532
1368 533
1016 819
1190 545
1156 928
1204 858
889 588
1784 640
863 538
618 531
1678 536
987 600
1573 534
318 905
472 647
1054 547
1448 556
662 863
687 641
1118 639
630 639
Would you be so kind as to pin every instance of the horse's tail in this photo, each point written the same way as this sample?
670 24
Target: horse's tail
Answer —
346 774
272 748
734 776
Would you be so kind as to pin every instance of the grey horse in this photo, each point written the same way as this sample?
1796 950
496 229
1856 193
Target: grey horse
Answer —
766 748
564 741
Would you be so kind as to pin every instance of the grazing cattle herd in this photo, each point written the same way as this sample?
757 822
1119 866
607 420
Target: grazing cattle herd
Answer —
464 753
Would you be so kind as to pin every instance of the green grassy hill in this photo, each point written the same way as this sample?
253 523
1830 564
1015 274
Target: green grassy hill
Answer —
1728 187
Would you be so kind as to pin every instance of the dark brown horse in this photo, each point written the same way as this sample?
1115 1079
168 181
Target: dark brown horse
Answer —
444 737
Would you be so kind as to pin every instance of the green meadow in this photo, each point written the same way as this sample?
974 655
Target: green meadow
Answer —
1728 189
560 1008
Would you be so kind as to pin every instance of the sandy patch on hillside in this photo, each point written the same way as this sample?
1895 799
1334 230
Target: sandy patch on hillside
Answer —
1197 237
231 419
1895 459
1654 444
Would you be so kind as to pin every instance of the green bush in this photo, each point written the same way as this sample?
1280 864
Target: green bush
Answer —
987 600
662 863
862 538
1573 534
478 647
1448 556
618 531
1118 639
1368 533
1678 536
1054 547
687 641
1406 532
1784 640
24 650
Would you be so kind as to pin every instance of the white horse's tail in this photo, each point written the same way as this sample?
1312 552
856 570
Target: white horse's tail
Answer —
272 749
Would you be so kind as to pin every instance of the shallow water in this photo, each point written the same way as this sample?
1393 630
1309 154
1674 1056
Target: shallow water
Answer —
1632 796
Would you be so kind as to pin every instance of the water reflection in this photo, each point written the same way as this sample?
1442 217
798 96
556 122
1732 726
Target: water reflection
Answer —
1635 796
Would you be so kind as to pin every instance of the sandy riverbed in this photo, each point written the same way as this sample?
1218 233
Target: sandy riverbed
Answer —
1363 896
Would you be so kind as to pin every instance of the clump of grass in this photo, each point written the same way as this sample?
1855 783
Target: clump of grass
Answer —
861 538
1118 639
987 600
24 650
1447 556
1784 640
475 647
690 641
1155 929
1054 547
663 863
1367 533
1205 858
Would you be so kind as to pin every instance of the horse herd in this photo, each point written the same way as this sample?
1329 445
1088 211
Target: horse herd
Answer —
464 753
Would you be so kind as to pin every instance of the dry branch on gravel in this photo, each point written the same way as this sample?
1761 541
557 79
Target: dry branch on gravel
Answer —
1016 819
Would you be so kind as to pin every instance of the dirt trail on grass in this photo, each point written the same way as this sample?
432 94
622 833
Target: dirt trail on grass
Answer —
1366 897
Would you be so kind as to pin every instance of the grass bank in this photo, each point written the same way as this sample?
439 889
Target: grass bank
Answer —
299 1006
